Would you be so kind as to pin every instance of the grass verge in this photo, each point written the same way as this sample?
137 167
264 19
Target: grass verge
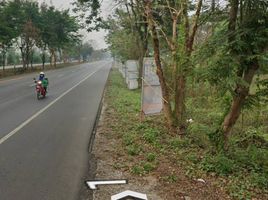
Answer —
150 150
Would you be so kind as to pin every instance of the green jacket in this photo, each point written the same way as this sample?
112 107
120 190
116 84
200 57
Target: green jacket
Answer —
45 82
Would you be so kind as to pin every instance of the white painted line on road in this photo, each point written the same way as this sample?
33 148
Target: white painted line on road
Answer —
3 139
127 194
93 184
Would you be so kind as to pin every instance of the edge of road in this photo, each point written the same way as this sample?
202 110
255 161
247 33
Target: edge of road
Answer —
85 193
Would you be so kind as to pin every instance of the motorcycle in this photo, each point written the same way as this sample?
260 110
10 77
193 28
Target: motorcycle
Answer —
40 90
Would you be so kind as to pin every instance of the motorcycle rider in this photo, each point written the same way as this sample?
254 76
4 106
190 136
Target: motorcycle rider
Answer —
44 80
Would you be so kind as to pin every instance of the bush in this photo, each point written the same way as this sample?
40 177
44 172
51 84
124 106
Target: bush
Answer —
219 164
198 133
252 158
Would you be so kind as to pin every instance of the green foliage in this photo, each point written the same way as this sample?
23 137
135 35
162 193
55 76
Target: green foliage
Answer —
243 167
259 180
34 25
178 143
143 168
198 134
150 157
219 164
122 42
128 139
89 13
137 170
12 58
193 158
133 150
171 178
240 190
150 135
148 167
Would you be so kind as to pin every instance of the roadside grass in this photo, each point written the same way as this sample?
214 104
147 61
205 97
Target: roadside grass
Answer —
243 171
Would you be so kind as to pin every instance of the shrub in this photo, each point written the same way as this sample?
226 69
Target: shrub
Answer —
177 143
148 167
133 150
137 170
219 164
150 157
198 133
150 135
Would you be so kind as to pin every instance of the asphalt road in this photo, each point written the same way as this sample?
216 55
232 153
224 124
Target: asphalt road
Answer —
44 143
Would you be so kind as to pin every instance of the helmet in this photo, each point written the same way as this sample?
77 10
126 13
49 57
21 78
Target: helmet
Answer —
42 73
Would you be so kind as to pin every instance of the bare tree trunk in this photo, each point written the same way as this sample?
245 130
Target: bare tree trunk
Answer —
180 96
55 59
242 93
165 92
180 103
4 61
43 59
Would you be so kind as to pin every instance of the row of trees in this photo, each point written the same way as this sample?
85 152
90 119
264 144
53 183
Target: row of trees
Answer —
223 43
27 26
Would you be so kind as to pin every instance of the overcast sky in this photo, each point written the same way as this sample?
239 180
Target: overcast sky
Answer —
98 37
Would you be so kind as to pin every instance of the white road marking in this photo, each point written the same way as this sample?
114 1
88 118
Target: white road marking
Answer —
128 194
6 137
93 184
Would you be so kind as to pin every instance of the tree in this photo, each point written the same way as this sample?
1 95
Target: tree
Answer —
8 31
180 41
86 51
235 51
89 13
120 38
58 30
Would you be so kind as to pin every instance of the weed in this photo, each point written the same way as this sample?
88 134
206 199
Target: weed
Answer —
150 157
137 170
128 139
133 150
192 157
150 135
148 167
219 164
172 178
259 180
177 143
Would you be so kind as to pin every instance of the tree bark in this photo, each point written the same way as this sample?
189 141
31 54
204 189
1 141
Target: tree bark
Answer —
242 93
43 60
180 96
233 19
165 92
